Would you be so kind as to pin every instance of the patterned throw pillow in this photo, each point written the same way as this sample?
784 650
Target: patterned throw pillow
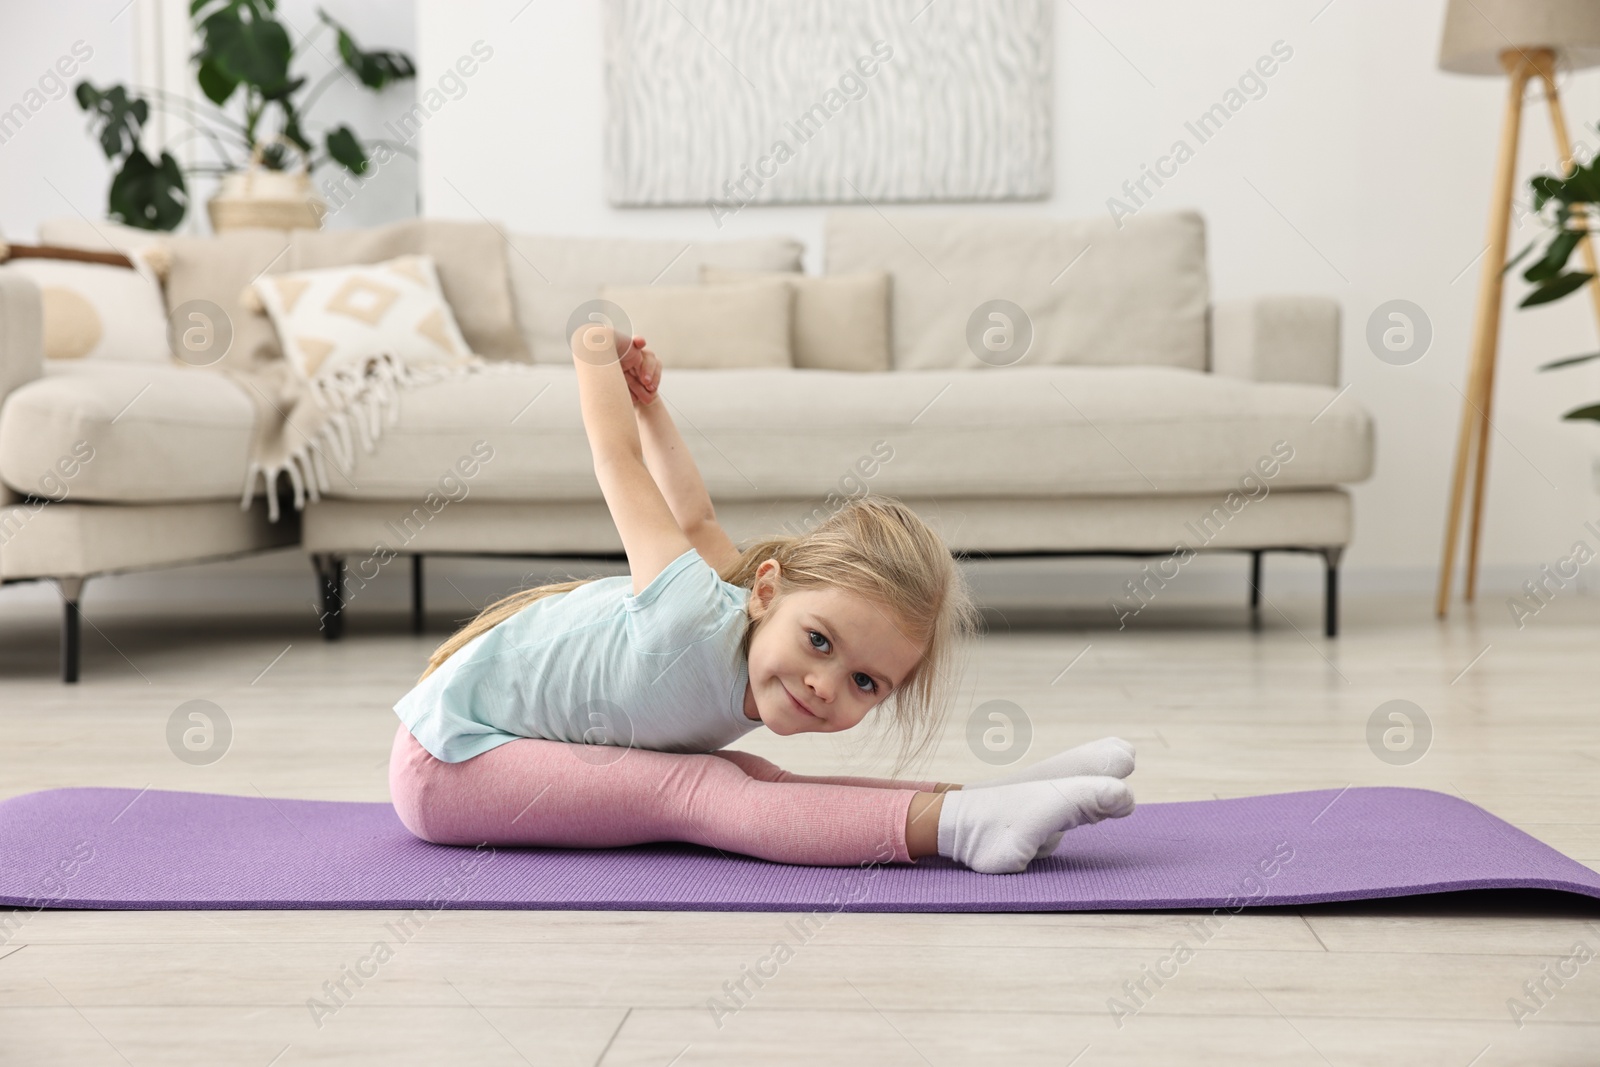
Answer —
328 318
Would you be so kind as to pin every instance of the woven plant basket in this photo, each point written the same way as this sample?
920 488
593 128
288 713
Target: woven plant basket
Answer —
259 197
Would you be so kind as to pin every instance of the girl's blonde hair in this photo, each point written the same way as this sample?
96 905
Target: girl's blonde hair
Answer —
872 547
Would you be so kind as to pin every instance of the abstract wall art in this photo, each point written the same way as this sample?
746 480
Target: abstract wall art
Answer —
727 103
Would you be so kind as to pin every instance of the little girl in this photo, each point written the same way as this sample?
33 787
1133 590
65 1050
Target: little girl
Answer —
593 714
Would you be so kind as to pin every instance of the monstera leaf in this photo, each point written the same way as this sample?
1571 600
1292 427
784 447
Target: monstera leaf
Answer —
147 194
377 68
121 116
242 43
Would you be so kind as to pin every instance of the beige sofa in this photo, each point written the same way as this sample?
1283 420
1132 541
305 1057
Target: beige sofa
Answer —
1144 419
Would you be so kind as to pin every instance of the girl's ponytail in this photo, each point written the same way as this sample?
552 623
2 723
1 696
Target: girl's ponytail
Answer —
742 571
494 615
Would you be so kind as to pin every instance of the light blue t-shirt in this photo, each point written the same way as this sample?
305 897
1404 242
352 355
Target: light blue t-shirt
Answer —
598 665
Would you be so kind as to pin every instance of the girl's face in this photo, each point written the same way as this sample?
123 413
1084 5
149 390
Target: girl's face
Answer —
821 659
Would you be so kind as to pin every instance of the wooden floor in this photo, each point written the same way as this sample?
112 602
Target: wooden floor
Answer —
1217 708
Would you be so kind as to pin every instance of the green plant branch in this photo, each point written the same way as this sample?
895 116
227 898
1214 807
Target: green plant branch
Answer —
1577 186
198 127
224 161
333 75
167 100
254 108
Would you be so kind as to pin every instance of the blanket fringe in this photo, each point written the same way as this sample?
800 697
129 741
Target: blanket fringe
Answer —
357 401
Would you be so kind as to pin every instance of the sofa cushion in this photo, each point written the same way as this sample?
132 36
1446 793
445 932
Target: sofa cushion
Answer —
551 276
774 434
1093 292
470 257
841 321
79 540
97 311
711 326
76 231
180 433
157 433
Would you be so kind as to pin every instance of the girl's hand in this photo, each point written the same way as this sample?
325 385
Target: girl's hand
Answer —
642 370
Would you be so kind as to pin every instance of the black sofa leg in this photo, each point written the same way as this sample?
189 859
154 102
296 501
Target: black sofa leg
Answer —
1255 578
1330 596
417 612
330 582
71 627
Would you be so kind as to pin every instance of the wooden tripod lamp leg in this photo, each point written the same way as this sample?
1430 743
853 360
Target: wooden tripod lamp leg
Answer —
1486 326
1542 63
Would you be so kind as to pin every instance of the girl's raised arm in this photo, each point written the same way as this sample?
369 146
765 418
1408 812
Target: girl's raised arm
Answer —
670 463
650 534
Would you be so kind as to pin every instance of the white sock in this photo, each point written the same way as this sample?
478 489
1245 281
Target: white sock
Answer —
1001 830
1110 756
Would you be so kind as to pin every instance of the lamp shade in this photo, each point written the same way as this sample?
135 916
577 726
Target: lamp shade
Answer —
1477 31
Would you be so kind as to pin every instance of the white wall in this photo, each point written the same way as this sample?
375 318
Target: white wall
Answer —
50 166
1373 171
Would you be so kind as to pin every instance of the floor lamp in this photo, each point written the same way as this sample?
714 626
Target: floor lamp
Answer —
1523 39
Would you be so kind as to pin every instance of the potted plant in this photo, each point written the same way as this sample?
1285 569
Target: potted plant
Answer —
256 129
1568 206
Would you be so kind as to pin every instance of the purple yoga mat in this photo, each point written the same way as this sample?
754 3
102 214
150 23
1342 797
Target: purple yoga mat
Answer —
154 850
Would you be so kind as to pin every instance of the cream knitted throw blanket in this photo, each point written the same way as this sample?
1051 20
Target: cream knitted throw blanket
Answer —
309 431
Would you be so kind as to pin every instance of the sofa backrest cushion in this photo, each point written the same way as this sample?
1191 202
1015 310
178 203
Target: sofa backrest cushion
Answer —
75 231
552 276
711 326
841 321
1094 293
217 270
470 257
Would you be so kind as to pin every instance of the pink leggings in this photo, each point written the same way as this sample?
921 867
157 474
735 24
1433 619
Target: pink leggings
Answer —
535 792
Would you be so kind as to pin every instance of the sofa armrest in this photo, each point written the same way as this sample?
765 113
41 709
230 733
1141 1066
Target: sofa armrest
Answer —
21 341
1276 339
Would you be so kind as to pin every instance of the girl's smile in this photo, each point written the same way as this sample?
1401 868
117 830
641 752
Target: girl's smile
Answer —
807 712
